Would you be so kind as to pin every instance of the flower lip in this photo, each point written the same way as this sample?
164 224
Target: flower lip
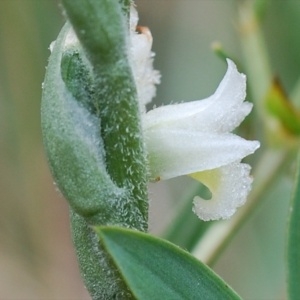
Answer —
229 185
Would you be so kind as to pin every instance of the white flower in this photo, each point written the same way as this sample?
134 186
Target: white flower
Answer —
194 138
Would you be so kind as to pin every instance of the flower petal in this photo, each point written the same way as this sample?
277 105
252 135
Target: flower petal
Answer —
173 153
229 186
141 58
221 112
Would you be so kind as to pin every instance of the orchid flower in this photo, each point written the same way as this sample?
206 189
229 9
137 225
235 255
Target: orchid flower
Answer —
195 138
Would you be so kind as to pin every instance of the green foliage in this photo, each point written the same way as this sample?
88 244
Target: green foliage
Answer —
74 147
90 123
103 36
156 269
34 237
92 135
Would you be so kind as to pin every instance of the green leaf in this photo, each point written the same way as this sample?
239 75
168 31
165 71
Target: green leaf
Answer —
156 269
293 247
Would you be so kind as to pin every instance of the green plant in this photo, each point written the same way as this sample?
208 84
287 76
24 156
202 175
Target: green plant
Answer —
103 148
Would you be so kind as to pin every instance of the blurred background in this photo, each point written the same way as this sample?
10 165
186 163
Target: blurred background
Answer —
36 255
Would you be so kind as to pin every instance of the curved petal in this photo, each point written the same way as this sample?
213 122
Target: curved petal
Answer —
221 112
229 186
173 153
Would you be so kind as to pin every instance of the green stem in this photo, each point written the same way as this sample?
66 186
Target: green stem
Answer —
101 276
100 27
